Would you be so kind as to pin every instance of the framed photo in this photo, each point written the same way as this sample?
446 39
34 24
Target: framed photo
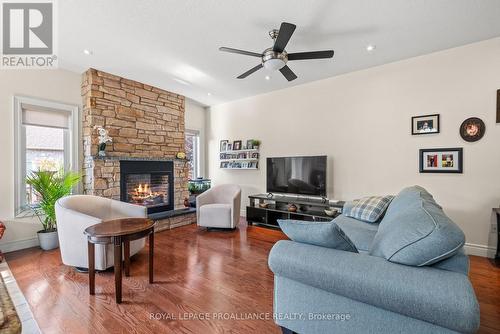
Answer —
441 160
223 145
472 129
236 145
424 125
249 144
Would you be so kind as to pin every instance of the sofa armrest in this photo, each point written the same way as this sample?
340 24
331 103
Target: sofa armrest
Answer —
437 296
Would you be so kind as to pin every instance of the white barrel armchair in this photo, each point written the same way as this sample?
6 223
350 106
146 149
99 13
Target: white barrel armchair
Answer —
75 213
219 206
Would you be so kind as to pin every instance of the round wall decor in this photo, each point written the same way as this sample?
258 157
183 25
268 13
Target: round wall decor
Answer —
472 129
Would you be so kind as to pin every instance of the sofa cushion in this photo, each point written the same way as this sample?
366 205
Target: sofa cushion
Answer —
415 231
325 234
360 233
368 209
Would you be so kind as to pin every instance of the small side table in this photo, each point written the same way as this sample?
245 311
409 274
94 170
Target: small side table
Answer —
116 232
497 212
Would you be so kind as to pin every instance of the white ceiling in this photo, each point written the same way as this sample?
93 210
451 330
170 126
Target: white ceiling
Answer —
162 41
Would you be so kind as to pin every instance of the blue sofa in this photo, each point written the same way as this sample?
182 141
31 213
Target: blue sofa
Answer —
325 290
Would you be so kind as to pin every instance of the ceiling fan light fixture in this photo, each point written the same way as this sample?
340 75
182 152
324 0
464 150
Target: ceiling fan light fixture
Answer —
274 64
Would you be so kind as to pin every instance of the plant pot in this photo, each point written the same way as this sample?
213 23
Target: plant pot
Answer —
48 239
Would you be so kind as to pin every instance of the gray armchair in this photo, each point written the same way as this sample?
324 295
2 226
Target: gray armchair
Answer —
219 206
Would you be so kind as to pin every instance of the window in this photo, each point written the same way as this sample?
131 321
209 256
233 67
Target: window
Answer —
46 139
193 153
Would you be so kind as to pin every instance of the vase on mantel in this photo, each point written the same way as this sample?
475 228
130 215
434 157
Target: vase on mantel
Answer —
102 149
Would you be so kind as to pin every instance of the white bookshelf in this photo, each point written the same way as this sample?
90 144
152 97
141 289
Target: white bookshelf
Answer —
245 159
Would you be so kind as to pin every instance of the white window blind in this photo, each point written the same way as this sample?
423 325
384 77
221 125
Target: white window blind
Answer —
47 118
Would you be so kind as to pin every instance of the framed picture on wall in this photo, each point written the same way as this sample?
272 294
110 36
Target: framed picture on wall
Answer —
441 160
424 125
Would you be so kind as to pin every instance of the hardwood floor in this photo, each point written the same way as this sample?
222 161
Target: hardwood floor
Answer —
196 271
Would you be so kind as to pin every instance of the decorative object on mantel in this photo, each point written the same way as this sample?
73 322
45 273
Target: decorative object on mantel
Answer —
424 125
235 156
498 106
2 231
441 160
472 129
292 208
104 138
180 155
50 186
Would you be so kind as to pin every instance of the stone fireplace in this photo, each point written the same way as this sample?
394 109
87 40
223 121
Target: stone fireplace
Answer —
147 127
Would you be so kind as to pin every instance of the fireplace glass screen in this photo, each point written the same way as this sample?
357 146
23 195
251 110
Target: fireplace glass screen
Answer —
148 189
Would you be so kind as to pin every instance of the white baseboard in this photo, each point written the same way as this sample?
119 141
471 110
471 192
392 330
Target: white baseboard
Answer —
11 246
479 250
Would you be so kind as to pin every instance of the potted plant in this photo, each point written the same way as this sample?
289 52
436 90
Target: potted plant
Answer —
256 144
50 186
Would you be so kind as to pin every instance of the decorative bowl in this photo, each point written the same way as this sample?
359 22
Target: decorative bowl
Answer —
331 212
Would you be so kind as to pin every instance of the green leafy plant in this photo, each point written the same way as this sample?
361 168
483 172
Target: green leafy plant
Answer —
256 142
50 186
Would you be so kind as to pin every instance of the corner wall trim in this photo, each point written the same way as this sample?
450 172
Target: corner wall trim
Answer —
479 250
11 246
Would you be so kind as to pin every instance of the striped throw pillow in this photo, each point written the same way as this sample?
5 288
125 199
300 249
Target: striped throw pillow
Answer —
368 209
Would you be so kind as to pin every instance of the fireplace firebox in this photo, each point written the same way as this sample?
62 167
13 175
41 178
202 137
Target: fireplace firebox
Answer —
148 183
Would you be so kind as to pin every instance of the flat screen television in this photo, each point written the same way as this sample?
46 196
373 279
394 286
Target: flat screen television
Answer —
297 175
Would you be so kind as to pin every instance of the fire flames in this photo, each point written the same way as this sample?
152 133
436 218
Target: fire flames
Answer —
144 195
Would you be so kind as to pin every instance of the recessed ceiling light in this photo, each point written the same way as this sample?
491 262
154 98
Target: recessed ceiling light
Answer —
88 52
209 94
268 77
371 48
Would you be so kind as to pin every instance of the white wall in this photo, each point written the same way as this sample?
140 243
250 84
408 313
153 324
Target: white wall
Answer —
361 121
195 120
56 85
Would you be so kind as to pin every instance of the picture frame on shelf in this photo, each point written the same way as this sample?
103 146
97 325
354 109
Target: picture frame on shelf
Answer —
425 124
441 160
223 145
229 147
250 144
237 145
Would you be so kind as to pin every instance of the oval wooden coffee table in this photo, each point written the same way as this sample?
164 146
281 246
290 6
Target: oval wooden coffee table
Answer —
116 232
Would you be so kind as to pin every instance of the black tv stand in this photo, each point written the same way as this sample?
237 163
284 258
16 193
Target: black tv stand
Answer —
266 209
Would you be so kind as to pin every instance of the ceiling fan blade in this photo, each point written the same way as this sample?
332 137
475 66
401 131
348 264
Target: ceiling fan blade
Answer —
241 52
288 73
284 35
310 55
250 71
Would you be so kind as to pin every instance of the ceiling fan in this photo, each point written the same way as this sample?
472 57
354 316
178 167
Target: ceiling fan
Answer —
275 57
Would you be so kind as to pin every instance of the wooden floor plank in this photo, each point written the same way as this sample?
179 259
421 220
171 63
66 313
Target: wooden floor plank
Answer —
196 271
